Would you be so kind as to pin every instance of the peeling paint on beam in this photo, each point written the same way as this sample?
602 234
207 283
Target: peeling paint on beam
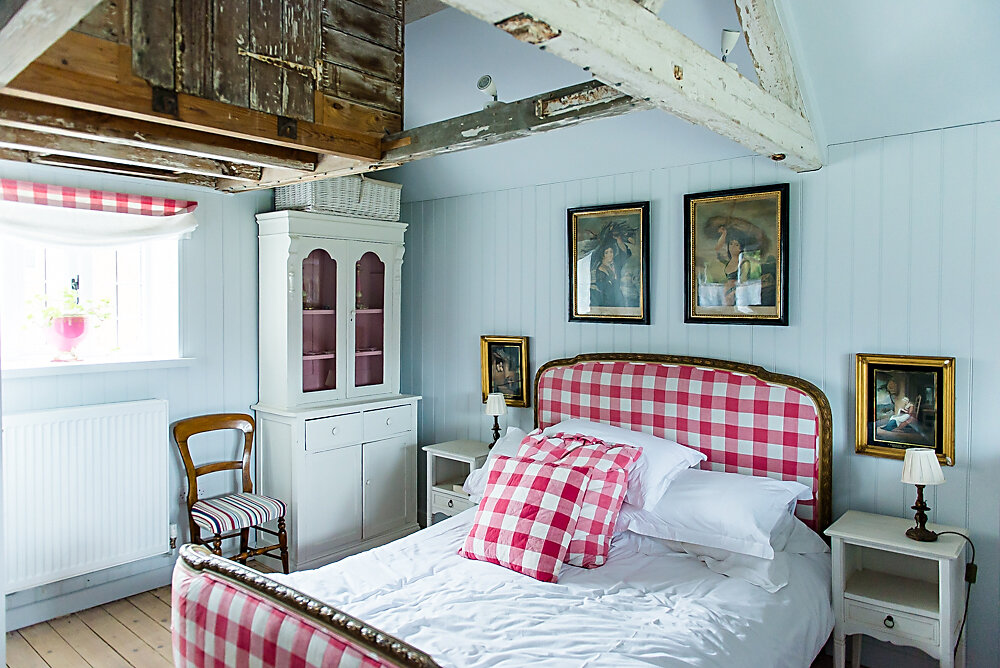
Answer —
528 29
574 101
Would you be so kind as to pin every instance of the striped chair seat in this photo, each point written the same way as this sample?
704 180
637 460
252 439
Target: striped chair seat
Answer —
222 514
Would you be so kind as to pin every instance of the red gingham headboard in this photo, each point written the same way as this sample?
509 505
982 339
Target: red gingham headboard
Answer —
745 419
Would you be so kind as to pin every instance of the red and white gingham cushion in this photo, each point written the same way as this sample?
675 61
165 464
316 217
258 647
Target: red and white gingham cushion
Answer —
217 625
609 465
222 514
741 423
527 516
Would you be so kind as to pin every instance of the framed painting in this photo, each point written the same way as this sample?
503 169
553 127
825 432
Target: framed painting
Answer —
609 263
505 368
736 256
905 402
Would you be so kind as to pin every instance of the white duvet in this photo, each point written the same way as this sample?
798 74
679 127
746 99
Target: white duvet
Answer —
648 605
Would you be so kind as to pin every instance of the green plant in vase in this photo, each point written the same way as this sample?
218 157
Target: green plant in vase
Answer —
68 319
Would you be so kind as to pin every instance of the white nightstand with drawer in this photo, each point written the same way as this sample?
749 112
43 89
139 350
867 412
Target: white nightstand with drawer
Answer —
448 465
895 589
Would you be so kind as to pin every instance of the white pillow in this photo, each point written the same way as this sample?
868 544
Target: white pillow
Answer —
507 446
729 511
660 462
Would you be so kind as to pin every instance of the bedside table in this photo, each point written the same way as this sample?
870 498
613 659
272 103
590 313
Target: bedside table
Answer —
448 465
895 589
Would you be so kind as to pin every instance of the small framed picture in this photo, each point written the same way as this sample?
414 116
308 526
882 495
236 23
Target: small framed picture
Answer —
905 402
609 263
736 256
505 368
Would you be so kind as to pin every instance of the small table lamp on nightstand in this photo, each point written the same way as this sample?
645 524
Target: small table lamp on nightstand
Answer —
496 406
921 467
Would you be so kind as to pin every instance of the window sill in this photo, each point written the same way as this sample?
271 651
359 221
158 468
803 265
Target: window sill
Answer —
71 368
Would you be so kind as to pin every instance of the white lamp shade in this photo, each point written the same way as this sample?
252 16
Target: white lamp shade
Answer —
495 404
921 467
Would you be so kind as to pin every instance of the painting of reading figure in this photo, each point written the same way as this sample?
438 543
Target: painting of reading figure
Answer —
903 407
613 279
505 376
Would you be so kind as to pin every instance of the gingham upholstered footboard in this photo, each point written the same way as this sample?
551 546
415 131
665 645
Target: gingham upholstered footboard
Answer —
225 614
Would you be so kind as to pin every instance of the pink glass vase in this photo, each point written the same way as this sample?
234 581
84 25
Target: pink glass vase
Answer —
66 333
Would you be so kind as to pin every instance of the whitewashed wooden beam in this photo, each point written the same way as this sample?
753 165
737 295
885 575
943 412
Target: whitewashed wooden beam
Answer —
626 46
510 120
29 27
772 58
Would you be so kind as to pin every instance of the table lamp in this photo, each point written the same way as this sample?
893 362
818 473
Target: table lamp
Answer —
921 467
496 406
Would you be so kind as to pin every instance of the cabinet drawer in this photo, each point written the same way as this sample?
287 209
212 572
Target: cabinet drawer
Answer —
902 624
388 422
333 432
448 504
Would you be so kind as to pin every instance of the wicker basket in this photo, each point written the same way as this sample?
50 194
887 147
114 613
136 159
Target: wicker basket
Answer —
353 195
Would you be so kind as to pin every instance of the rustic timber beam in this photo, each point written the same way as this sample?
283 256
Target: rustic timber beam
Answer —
328 167
92 165
69 74
652 5
29 27
66 121
39 142
510 120
624 45
771 56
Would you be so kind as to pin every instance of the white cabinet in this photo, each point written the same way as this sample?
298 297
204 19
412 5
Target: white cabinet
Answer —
336 440
348 477
329 308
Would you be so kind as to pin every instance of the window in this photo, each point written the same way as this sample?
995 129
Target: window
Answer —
128 293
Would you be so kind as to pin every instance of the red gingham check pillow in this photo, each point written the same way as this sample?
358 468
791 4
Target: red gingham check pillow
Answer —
609 466
527 516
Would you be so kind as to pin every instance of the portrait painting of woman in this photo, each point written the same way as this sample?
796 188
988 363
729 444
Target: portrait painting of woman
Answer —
609 263
736 244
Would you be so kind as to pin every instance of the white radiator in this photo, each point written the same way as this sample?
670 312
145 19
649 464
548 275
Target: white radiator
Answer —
84 488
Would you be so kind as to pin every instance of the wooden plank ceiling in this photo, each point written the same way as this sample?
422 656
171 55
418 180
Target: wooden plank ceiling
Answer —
247 94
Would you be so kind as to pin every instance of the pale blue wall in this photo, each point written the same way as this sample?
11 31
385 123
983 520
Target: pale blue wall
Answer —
218 311
891 251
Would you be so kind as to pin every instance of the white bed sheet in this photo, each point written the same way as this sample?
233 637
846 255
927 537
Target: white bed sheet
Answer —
648 605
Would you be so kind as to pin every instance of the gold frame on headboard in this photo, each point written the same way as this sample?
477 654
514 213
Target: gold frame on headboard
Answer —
824 464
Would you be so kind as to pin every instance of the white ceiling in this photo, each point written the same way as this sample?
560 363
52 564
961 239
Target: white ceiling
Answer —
867 69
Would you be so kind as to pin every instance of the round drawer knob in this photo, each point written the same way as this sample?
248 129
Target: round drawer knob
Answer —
451 503
388 421
889 622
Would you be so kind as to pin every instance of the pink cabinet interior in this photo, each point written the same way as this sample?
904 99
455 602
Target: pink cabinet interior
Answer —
319 322
369 321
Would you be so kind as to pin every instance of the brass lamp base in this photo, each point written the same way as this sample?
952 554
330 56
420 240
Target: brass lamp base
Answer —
921 532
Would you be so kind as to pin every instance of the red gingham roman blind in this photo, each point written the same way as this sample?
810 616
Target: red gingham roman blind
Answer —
27 192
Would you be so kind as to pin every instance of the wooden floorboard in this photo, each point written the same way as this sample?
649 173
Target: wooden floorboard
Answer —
22 655
126 643
55 651
139 623
87 644
154 608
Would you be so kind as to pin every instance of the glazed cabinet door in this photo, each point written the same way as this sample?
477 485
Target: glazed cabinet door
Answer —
389 469
329 502
371 369
317 317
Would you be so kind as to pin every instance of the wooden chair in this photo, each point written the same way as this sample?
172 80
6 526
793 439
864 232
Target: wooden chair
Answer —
229 515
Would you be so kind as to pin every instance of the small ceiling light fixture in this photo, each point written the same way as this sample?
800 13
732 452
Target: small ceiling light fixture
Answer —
729 39
488 87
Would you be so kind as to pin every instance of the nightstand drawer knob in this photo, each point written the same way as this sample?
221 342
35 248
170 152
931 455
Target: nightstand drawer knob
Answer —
889 622
451 503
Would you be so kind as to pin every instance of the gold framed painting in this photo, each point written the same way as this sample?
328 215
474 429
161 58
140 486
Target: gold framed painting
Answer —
504 362
736 256
609 263
905 402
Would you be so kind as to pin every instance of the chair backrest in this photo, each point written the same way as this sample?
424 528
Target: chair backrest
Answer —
185 429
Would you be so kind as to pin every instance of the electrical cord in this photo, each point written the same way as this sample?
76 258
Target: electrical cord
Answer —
970 577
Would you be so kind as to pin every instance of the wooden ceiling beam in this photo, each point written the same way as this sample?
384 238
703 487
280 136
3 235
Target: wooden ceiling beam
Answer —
59 120
772 58
328 167
96 165
652 5
66 75
39 142
29 27
630 48
510 120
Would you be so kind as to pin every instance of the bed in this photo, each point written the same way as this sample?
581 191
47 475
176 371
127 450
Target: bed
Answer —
648 605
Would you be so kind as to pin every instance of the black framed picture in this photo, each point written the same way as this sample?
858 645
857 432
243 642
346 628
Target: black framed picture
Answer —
736 256
609 263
